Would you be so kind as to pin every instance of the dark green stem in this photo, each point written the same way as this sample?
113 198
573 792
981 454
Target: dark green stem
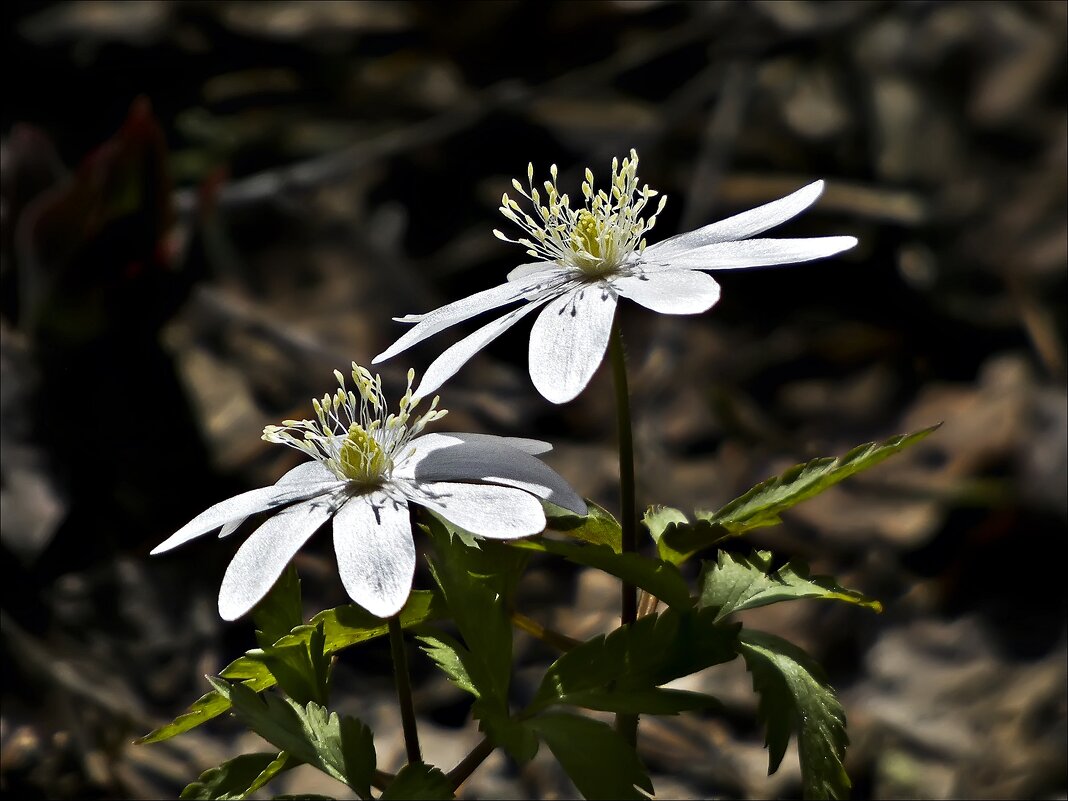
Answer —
459 774
627 725
404 689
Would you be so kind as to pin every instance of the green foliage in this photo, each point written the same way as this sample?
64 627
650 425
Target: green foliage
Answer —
238 778
493 562
598 527
623 671
451 657
656 576
735 583
762 505
341 747
302 669
343 626
280 611
795 698
599 762
678 539
482 664
419 781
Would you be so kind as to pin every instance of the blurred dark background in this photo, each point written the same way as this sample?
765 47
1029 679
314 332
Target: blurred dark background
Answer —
207 207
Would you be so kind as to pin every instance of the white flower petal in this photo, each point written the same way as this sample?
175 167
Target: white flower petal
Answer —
453 358
484 509
444 457
245 504
463 309
545 268
375 552
308 471
568 340
761 252
740 226
670 291
445 439
264 555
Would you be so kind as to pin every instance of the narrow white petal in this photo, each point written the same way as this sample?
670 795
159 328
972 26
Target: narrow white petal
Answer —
670 291
531 446
264 555
445 457
568 340
375 552
245 504
307 471
761 252
483 509
445 439
453 358
460 310
547 269
740 226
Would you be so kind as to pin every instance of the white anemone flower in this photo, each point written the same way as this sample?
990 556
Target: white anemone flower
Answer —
368 467
590 257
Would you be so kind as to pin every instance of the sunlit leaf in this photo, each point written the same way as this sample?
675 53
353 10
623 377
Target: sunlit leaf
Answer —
656 576
735 583
343 626
475 596
451 657
419 782
597 760
340 746
676 538
280 611
301 669
796 699
762 505
640 656
597 527
239 777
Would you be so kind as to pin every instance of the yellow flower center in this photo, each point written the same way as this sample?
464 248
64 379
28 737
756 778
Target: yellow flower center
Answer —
361 458
587 235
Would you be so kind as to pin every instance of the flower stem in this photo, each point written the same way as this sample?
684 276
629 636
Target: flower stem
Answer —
627 725
467 765
404 690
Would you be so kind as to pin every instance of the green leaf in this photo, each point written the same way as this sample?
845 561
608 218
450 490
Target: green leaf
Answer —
280 611
497 566
237 778
478 612
341 747
476 596
656 576
343 627
735 583
677 539
762 505
301 669
651 701
603 671
419 781
795 698
451 657
597 527
596 759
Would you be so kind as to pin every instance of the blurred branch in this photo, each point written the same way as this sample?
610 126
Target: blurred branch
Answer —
332 167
